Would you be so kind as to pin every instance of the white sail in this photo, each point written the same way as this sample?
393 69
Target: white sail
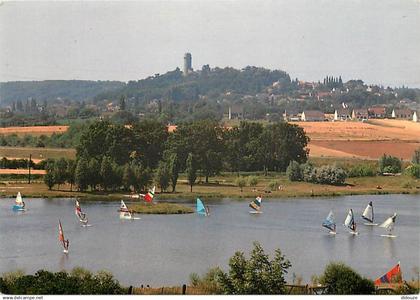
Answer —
368 213
123 207
349 219
389 223
19 200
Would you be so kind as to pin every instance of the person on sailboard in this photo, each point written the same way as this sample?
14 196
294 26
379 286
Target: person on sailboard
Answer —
23 204
66 244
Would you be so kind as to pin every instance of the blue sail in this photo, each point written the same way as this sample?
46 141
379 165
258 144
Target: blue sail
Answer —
329 222
201 210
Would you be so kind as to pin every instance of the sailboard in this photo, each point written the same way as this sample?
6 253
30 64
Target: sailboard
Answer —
368 215
82 217
125 212
393 277
329 223
350 223
150 195
389 225
202 210
256 206
61 238
19 204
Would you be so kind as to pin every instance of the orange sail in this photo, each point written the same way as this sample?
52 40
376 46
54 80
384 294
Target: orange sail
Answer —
60 232
392 276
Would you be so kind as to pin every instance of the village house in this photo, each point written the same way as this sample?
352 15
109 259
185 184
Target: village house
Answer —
402 114
342 114
360 114
377 112
312 116
236 112
291 116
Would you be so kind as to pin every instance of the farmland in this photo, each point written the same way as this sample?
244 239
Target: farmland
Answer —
363 140
33 130
38 154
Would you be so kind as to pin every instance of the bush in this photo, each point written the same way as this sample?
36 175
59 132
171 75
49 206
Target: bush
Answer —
273 185
208 284
390 164
257 275
416 157
252 181
342 280
413 170
361 171
308 173
294 171
241 182
77 282
330 175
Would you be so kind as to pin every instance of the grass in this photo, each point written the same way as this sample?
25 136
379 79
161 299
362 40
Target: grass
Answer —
37 153
160 208
223 187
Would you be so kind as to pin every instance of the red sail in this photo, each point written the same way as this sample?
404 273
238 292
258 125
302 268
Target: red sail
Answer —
392 276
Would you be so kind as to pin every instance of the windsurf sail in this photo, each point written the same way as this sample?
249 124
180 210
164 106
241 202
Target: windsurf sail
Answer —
81 215
201 209
256 204
389 223
123 207
349 222
149 196
124 212
61 237
368 213
329 222
19 200
392 276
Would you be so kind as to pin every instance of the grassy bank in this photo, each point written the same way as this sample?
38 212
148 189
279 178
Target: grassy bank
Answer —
223 186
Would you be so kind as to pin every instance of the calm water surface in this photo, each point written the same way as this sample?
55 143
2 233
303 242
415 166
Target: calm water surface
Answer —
165 249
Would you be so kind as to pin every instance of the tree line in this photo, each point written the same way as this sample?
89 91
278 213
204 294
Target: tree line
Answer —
113 156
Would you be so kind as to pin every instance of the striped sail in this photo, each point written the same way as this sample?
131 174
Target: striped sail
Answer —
201 209
256 204
368 213
349 222
60 232
389 223
78 211
329 222
19 200
150 195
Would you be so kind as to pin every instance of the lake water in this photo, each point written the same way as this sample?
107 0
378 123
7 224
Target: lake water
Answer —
165 249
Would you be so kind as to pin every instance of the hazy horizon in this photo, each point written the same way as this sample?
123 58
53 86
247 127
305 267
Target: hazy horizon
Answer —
376 41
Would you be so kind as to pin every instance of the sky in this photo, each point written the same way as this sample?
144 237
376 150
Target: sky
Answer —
377 41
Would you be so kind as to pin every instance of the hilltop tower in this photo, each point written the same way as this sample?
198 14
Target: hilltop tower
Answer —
187 63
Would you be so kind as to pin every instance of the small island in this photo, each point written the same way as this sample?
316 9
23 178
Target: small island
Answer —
163 208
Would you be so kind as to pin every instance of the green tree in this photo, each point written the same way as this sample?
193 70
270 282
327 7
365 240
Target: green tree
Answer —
163 176
294 172
94 169
174 168
82 174
70 172
49 178
340 279
129 177
106 173
191 170
257 275
59 172
253 181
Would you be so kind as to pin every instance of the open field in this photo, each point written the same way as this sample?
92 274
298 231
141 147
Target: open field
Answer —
21 171
34 130
366 140
37 153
